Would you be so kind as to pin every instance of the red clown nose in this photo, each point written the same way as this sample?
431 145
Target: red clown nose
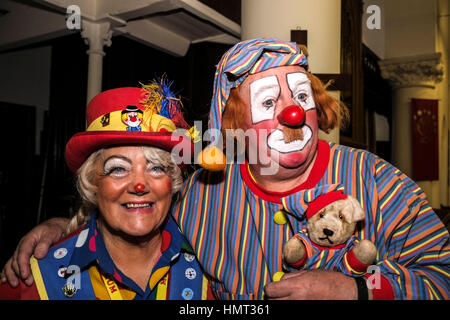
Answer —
292 116
139 187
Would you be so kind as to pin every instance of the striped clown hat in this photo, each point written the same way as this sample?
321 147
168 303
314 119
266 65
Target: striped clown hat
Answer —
243 59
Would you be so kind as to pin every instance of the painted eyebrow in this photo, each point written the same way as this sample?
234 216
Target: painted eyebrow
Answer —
117 157
296 84
303 82
265 86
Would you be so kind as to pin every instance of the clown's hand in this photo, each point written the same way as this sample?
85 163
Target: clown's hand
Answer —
36 242
313 285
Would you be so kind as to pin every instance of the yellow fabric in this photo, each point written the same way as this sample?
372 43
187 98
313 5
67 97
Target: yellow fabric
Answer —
161 293
205 288
112 288
100 289
38 278
194 134
101 285
157 276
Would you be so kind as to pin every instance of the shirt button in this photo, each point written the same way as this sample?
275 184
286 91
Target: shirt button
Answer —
280 217
277 276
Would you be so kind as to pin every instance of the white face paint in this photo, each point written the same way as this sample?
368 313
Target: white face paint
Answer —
300 86
264 95
275 141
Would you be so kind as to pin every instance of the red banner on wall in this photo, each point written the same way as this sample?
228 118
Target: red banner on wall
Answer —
425 150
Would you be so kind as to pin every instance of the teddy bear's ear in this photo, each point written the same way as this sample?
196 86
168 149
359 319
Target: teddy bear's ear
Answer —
357 212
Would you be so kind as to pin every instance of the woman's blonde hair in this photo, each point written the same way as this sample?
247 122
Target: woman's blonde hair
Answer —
86 184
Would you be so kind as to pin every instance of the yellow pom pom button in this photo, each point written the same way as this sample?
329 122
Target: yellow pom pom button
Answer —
280 217
277 276
212 158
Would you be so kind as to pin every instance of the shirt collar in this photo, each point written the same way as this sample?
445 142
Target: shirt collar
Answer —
319 167
90 248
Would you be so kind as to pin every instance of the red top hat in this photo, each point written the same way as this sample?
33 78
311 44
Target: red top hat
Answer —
322 201
160 115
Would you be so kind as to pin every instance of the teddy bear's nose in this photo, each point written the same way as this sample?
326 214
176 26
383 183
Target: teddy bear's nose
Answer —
328 232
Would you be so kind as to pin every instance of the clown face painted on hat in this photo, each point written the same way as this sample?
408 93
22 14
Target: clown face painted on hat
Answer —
132 116
280 108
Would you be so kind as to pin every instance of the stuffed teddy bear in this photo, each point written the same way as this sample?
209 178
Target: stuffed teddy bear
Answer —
332 219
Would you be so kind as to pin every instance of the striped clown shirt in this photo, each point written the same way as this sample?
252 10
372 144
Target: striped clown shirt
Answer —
229 221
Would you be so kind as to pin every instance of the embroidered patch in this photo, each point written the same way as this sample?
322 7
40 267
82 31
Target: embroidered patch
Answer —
60 253
190 273
82 238
69 290
187 294
62 272
132 116
105 120
189 257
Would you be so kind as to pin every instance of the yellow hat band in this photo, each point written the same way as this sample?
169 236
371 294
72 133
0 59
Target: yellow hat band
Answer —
149 122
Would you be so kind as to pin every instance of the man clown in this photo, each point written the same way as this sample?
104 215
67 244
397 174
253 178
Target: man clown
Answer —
239 217
238 220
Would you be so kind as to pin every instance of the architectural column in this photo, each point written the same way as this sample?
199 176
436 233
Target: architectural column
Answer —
411 77
268 18
96 35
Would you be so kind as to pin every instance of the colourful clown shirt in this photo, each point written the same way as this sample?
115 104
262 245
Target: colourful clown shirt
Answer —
80 268
238 229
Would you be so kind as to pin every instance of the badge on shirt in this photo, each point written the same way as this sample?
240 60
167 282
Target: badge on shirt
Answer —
60 253
69 289
187 294
190 273
189 257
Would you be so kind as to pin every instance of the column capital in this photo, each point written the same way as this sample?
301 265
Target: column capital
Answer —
413 71
96 35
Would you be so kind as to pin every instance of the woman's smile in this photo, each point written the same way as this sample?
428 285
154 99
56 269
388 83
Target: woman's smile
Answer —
138 205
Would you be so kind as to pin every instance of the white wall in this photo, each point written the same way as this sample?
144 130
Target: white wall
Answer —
25 79
407 28
322 20
410 27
